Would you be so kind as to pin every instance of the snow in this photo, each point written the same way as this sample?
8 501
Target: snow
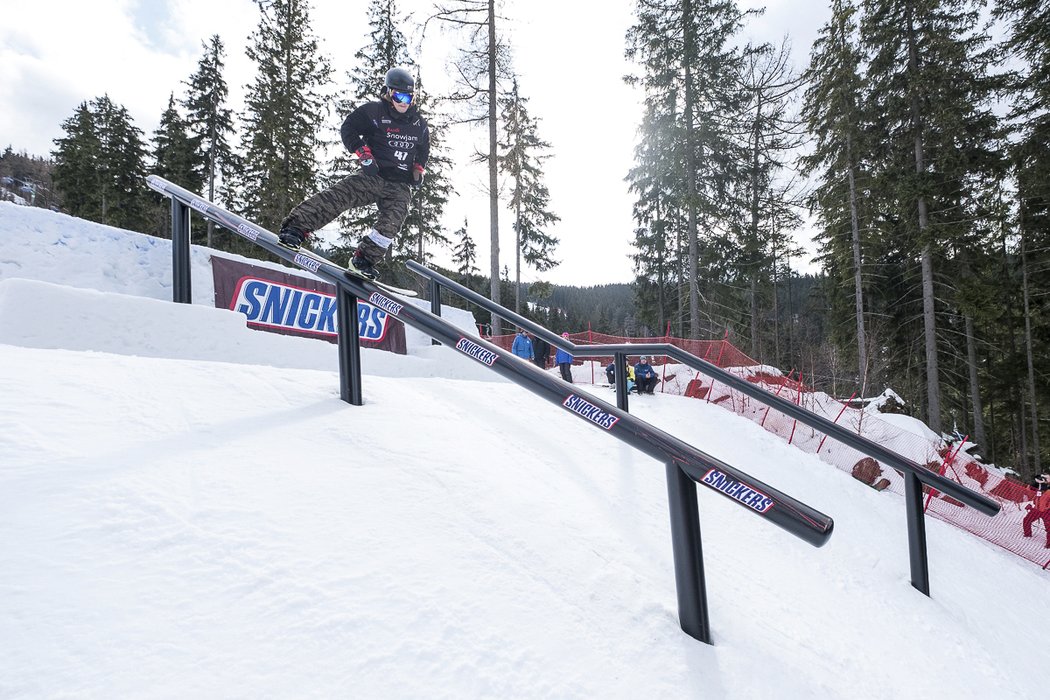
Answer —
187 509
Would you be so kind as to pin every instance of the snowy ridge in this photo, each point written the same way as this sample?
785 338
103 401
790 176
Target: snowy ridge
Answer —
187 509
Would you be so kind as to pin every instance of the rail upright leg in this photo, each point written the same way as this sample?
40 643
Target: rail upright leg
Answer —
688 555
920 567
349 348
180 253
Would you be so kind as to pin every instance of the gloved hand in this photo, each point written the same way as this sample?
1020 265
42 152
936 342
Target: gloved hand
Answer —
417 174
367 162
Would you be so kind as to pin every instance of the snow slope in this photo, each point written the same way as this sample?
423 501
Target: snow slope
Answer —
187 509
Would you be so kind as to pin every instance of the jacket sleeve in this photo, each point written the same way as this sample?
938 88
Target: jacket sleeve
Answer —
358 124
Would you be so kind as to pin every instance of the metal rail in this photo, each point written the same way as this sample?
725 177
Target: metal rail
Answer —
914 474
682 461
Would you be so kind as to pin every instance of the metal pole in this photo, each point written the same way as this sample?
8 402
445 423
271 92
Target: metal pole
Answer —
620 373
349 347
435 303
920 570
688 554
181 292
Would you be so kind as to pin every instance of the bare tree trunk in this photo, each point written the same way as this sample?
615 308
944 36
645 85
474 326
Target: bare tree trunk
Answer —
494 287
933 385
754 227
690 177
776 300
1036 461
858 280
975 387
517 257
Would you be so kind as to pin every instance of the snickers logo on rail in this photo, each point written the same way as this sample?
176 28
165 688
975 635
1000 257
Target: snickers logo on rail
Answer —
479 353
388 305
306 262
304 311
756 500
248 232
595 414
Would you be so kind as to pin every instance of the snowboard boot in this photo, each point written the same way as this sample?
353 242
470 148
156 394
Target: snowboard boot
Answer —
367 255
292 236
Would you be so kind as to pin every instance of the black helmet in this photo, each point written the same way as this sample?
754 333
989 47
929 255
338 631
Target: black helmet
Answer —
399 79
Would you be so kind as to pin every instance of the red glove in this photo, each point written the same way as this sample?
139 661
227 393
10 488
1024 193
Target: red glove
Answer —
368 163
417 174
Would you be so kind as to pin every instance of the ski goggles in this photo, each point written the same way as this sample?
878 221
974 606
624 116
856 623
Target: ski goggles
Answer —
403 98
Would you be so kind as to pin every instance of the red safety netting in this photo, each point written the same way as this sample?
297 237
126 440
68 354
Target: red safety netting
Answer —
902 434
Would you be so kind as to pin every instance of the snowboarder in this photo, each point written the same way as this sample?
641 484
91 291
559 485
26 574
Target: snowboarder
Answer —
392 143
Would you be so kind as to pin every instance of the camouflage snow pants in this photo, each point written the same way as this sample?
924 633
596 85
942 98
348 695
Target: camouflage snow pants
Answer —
356 190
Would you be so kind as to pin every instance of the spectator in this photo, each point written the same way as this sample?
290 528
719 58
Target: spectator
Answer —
1039 508
564 362
522 346
645 375
610 372
542 350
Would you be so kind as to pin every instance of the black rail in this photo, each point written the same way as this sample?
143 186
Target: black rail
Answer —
683 461
913 473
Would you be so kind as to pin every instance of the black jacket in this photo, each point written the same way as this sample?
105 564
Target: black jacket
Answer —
397 140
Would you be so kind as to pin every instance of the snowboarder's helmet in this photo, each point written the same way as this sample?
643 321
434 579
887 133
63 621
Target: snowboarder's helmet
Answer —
400 80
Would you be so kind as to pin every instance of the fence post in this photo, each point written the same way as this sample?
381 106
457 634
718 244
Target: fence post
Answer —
349 348
181 292
688 554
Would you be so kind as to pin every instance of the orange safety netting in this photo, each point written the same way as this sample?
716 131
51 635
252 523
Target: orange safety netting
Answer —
903 435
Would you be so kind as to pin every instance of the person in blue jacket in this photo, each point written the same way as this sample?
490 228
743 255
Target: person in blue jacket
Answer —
522 346
645 376
564 362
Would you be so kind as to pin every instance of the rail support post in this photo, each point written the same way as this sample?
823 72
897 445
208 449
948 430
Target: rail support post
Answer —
688 554
920 569
620 377
349 348
435 303
180 253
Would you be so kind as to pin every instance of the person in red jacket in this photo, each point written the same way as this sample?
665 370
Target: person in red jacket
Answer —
1039 509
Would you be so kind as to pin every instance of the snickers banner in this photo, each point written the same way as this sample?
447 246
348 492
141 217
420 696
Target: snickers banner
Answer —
280 302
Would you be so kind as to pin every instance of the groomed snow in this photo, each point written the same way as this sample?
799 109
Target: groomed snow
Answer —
187 509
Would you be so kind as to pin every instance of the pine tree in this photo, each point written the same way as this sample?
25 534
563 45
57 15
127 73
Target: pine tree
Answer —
483 61
423 228
687 54
522 160
122 167
100 166
1028 44
763 244
285 109
833 115
211 122
931 95
464 254
176 155
76 164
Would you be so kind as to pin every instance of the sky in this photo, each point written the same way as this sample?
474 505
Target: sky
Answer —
570 57
187 509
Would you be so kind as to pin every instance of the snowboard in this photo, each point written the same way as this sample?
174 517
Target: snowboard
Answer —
352 273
